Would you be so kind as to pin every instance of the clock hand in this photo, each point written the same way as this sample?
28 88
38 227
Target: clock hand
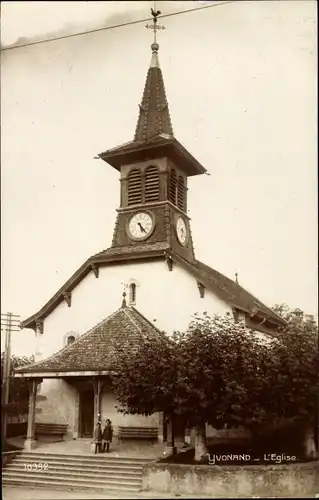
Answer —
141 227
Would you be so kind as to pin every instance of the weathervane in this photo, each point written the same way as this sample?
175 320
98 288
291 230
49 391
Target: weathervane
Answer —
155 13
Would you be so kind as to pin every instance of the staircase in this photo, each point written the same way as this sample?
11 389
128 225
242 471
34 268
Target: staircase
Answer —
75 472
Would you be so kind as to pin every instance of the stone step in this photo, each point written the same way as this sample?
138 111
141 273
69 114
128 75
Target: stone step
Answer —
76 472
81 459
79 478
90 473
56 465
49 483
32 456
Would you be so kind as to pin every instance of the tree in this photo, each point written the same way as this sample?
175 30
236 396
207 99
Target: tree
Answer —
204 375
218 376
295 394
18 387
144 382
220 373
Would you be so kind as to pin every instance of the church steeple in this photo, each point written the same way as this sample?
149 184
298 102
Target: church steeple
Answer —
154 137
154 118
154 167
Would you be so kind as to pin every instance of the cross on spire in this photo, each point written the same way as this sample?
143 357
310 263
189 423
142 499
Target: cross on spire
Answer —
155 13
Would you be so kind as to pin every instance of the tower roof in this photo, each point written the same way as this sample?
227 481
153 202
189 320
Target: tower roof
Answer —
154 135
154 118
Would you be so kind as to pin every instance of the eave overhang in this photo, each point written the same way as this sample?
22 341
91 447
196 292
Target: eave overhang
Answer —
101 260
161 147
79 275
256 315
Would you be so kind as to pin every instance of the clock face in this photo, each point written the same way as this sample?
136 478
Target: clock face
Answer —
141 226
181 231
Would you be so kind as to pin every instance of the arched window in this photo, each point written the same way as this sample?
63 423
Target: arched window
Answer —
132 294
134 187
70 339
152 184
181 193
172 187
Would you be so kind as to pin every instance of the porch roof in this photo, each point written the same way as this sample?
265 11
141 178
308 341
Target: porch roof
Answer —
95 352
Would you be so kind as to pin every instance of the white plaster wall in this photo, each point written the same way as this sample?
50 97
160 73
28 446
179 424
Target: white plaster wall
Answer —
170 297
60 405
108 410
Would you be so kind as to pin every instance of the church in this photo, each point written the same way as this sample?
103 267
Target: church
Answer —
152 257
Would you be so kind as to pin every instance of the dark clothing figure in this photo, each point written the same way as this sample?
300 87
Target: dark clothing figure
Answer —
107 435
98 438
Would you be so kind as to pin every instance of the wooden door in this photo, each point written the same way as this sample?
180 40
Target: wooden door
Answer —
86 413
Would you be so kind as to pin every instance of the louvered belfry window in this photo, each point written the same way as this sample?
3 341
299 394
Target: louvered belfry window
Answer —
134 187
152 184
172 187
181 193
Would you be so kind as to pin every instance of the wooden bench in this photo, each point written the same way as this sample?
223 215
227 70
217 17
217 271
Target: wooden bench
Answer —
51 429
147 433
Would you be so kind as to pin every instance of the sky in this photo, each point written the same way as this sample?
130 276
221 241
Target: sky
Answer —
241 85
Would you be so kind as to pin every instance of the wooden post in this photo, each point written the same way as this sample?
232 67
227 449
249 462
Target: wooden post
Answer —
30 442
97 384
9 323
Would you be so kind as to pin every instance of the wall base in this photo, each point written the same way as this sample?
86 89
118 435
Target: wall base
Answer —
30 444
289 481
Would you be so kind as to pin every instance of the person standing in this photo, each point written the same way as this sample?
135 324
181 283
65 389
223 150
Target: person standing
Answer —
98 437
107 435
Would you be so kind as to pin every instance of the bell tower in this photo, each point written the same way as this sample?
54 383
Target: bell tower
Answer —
154 170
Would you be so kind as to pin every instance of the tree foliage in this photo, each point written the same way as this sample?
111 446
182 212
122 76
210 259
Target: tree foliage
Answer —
18 387
220 373
296 357
206 374
145 379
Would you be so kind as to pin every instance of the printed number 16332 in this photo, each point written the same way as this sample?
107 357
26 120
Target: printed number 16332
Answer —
36 467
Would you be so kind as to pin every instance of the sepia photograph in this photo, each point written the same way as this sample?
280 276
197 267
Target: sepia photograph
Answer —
159 249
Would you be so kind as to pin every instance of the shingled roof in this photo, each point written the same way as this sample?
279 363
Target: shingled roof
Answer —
228 290
96 349
235 294
154 118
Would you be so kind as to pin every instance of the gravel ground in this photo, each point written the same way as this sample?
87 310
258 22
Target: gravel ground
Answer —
17 493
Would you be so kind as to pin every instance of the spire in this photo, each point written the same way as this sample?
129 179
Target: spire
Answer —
154 118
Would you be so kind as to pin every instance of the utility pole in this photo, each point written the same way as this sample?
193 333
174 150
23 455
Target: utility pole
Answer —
9 323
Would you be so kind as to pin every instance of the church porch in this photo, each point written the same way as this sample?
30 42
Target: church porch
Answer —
73 386
78 401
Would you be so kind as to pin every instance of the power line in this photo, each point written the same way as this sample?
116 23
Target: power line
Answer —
96 30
